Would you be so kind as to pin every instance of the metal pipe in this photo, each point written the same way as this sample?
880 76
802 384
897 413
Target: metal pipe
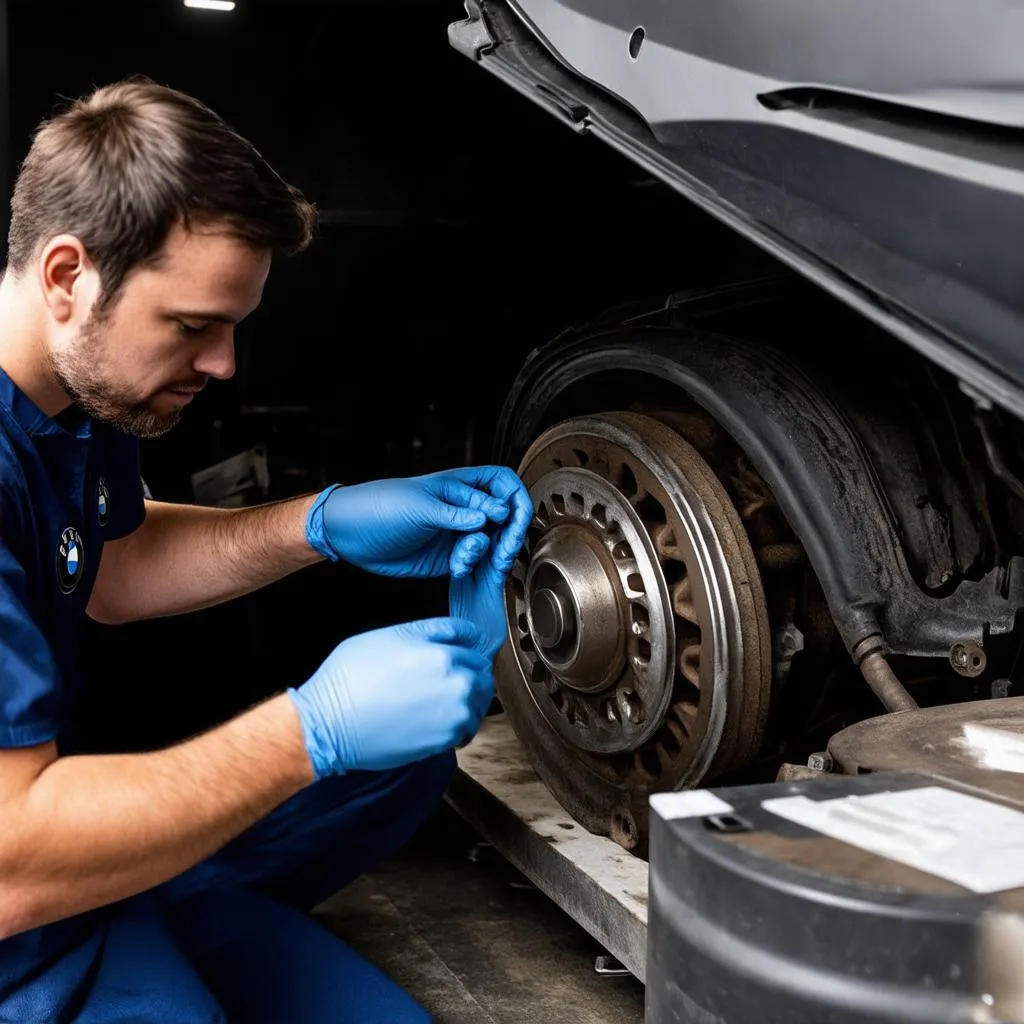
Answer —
882 680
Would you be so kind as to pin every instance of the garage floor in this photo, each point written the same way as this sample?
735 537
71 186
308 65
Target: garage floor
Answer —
462 931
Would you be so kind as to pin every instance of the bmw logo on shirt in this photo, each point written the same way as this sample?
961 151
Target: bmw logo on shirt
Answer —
70 559
103 502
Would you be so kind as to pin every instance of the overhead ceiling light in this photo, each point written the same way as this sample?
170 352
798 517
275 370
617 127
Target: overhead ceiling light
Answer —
211 5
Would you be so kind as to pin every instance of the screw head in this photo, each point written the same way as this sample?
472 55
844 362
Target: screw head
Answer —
820 762
789 640
968 658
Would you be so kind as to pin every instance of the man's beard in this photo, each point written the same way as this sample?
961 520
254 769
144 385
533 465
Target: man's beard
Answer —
80 372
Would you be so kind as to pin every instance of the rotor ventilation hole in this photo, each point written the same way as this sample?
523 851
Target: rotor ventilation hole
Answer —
627 481
577 713
671 742
582 456
539 672
636 40
559 504
635 583
673 572
643 651
576 503
650 763
634 706
610 710
651 511
689 664
600 516
623 552
640 619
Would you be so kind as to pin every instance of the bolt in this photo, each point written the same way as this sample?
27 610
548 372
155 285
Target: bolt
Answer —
1001 688
968 658
820 762
789 640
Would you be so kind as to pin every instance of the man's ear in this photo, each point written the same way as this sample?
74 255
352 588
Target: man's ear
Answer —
67 278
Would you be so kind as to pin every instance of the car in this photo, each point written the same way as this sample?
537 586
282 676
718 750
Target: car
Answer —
763 514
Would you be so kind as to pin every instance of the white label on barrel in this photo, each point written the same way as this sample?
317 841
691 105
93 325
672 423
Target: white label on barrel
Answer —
690 803
972 842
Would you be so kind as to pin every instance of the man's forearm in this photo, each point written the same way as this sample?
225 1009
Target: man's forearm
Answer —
187 557
91 830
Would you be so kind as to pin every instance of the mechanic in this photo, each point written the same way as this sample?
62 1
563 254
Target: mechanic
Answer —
175 885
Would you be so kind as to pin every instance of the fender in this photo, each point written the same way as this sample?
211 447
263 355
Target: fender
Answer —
808 453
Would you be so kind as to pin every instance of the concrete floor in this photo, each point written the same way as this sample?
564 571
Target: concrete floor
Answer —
463 932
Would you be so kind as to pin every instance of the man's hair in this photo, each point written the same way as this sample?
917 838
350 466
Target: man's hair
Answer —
121 166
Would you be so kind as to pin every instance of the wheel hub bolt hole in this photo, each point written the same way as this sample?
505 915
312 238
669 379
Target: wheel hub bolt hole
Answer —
633 706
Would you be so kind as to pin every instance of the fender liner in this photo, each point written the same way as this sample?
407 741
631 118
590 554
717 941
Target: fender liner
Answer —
809 454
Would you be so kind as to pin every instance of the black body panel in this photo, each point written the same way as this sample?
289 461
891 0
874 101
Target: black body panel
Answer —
896 183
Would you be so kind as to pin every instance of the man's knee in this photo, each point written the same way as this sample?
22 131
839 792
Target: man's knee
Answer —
265 962
420 785
434 775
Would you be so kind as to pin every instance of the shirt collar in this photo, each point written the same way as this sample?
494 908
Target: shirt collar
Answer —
33 420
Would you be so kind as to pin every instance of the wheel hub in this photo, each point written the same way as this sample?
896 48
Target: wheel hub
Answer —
639 656
572 609
586 605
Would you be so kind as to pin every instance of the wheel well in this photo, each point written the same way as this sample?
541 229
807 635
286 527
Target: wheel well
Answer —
803 708
873 472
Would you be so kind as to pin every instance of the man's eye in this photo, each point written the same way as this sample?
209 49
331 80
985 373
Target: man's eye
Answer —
186 328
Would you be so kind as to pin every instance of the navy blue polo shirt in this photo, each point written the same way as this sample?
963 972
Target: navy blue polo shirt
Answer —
66 486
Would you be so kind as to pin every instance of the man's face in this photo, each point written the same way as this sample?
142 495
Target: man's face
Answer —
139 363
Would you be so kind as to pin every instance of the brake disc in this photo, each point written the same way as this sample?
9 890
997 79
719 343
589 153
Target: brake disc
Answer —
640 655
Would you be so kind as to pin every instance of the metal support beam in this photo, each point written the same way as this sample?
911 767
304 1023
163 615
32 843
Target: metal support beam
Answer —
594 880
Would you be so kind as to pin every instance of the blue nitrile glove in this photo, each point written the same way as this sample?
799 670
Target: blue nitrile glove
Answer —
419 526
393 696
480 597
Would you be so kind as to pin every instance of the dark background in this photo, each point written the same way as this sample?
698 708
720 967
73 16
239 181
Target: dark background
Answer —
460 227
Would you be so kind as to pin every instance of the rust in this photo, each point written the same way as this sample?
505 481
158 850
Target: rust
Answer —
882 680
784 555
929 742
595 786
797 773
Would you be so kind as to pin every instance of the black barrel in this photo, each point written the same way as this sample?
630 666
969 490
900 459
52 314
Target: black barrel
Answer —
757 920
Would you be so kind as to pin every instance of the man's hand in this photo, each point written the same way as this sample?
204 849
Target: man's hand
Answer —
423 526
393 696
479 596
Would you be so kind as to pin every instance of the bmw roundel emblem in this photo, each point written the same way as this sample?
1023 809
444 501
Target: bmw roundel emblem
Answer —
70 560
103 502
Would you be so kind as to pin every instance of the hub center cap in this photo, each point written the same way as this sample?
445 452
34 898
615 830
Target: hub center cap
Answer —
549 620
593 620
573 611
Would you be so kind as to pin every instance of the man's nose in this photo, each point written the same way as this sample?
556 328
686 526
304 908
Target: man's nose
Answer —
217 357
